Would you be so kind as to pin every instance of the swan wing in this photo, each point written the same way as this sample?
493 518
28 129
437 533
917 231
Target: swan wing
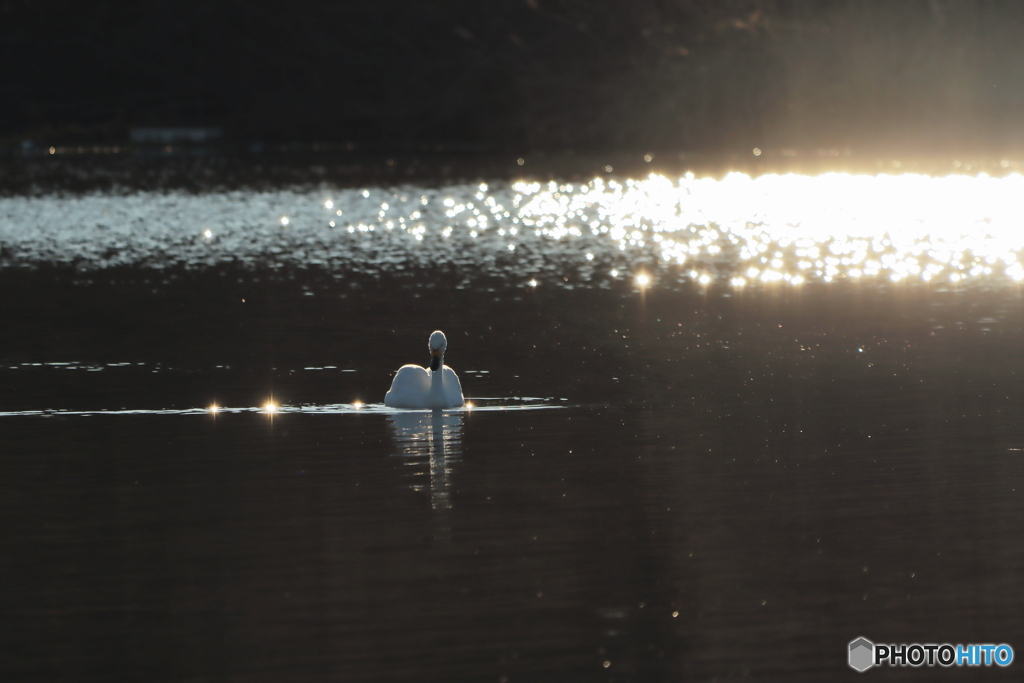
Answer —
452 387
409 389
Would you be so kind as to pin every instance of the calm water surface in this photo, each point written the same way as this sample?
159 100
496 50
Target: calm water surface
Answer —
698 482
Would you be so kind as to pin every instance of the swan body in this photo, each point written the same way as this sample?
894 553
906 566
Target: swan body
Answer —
430 388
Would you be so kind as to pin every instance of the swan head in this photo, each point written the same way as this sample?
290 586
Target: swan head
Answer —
437 345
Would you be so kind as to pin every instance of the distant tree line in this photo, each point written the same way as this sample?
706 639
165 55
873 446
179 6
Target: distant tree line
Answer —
522 74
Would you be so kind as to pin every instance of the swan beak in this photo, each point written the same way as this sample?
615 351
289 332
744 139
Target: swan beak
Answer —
435 360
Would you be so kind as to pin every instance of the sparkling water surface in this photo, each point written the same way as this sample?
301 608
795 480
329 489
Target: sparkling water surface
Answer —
669 480
736 230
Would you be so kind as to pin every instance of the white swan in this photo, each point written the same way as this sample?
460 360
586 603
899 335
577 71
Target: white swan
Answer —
420 388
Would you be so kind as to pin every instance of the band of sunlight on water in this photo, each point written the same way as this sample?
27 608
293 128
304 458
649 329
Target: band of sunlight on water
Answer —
657 231
270 409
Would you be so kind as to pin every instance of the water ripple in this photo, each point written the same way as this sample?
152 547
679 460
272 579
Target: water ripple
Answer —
475 406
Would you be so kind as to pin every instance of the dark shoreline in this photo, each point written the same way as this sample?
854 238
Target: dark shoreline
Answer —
109 168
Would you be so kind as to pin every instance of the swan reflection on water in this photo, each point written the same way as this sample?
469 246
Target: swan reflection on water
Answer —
431 443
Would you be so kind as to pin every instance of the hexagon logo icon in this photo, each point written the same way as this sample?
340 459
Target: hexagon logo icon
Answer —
862 654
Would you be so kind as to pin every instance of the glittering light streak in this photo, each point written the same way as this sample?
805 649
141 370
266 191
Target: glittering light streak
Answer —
772 230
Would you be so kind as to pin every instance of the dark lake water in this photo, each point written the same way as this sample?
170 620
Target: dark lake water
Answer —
690 482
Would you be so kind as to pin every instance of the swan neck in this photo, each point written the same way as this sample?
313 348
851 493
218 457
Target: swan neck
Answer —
436 379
